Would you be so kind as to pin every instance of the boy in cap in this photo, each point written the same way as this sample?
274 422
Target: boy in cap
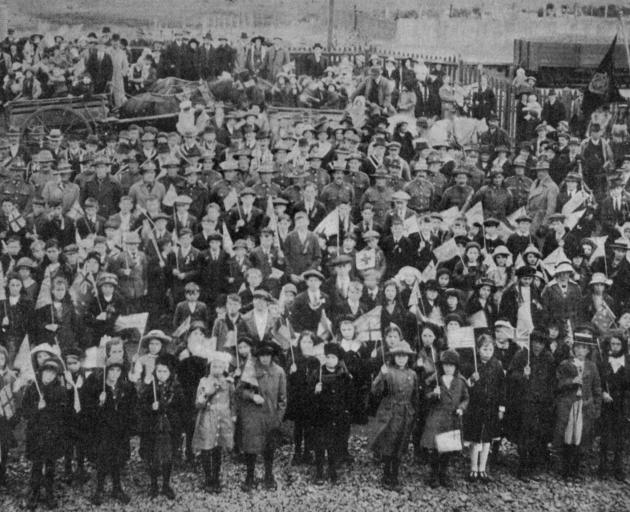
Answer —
191 307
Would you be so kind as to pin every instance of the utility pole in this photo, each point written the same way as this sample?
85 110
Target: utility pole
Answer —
331 22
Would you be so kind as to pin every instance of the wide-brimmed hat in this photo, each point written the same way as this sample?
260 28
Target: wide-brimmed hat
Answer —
600 278
156 334
562 267
449 357
266 349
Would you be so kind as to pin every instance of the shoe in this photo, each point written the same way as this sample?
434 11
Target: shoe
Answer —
297 459
154 492
168 492
81 476
434 482
50 501
307 459
334 477
119 495
394 485
445 481
473 476
248 485
270 484
97 498
31 502
216 487
484 477
67 477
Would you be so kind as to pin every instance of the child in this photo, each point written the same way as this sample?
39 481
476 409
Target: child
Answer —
75 425
356 357
578 404
161 410
261 408
398 385
216 414
531 394
44 409
298 401
486 408
9 385
447 402
329 393
112 407
154 342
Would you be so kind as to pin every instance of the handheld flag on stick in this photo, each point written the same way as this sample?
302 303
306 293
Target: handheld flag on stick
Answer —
330 225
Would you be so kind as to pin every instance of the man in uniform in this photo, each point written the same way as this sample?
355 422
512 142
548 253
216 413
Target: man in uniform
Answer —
230 185
379 196
266 188
103 188
359 181
148 187
434 174
196 190
400 210
315 172
460 193
14 185
331 192
420 190
245 219
519 184
41 170
315 210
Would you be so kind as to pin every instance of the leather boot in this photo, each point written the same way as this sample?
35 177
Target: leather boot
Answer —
167 490
250 483
270 481
154 491
445 480
434 479
387 472
216 471
395 466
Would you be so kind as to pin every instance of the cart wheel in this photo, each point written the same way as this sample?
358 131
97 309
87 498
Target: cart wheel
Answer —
65 119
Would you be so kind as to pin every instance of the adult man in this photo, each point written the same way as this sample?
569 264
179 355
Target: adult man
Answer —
460 194
103 188
316 63
301 249
130 266
377 90
277 57
494 136
315 210
142 190
258 324
598 159
245 219
100 68
309 306
553 110
541 202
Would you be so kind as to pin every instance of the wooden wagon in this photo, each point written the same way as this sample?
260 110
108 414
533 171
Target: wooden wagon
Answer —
73 114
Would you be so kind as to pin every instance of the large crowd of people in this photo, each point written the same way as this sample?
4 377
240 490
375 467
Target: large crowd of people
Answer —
197 288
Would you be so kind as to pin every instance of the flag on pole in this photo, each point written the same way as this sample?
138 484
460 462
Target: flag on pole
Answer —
604 318
448 217
330 225
365 259
461 337
230 200
515 215
475 214
550 262
324 327
410 225
7 402
3 284
183 328
446 251
368 325
248 376
414 296
600 247
602 89
16 221
75 212
429 272
227 240
170 196
23 361
574 203
271 215
44 297
135 321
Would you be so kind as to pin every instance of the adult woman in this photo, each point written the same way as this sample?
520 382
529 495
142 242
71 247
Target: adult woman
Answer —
57 322
598 301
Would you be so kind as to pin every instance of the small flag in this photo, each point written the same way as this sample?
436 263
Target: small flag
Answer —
23 361
324 328
230 200
365 259
271 215
75 212
600 247
446 251
515 215
330 225
16 221
44 298
368 326
604 318
227 240
7 402
170 196
461 337
248 376
448 217
135 321
410 225
553 259
475 214
183 328
414 296
574 203
429 272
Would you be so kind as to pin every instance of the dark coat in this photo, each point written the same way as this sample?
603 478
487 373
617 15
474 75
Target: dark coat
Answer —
567 395
511 300
529 415
331 407
45 427
299 406
112 422
481 421
260 423
107 192
303 316
613 422
442 415
66 320
214 276
101 71
396 413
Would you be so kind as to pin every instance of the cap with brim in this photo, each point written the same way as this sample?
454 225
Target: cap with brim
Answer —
619 244
247 191
557 217
371 234
261 294
573 176
531 249
342 259
485 282
501 250
183 200
524 218
583 338
312 273
240 244
25 262
107 278
51 364
131 238
400 195
266 349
